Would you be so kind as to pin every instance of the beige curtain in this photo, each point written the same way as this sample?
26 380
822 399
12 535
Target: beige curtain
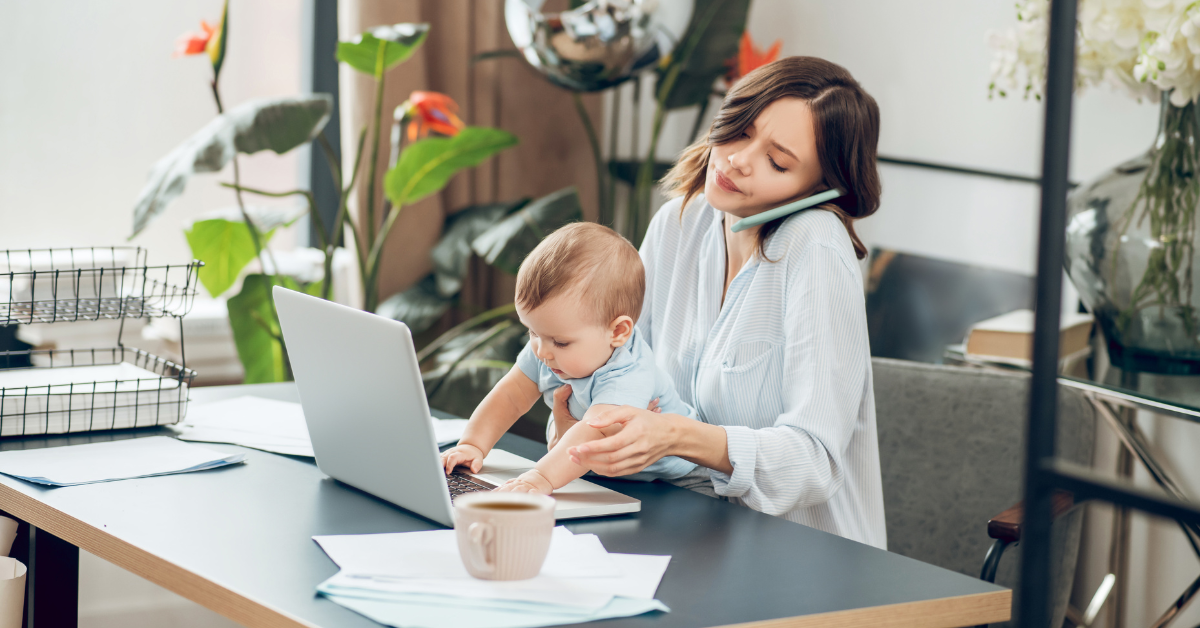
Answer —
505 93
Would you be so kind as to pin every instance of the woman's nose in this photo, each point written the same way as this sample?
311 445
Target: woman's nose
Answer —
738 162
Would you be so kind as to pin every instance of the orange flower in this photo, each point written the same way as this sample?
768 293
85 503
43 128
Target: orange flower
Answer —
431 111
194 43
750 58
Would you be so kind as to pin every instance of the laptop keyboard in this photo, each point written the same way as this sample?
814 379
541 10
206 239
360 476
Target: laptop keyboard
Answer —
461 484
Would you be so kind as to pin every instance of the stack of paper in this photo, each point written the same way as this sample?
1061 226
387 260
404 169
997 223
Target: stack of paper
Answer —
85 398
270 425
416 579
113 460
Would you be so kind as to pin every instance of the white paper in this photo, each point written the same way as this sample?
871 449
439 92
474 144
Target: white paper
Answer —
638 578
113 460
85 398
106 378
270 425
434 554
448 430
266 424
433 612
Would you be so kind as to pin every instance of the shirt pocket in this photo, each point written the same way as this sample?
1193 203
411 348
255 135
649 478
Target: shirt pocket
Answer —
750 383
746 356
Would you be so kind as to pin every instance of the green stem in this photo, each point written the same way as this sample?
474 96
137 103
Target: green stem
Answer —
631 201
255 235
373 174
467 325
469 349
645 179
594 141
613 125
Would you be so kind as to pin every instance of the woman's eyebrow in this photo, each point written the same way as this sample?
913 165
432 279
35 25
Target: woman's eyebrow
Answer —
784 150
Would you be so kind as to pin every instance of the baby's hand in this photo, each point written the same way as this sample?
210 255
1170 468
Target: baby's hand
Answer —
468 456
529 482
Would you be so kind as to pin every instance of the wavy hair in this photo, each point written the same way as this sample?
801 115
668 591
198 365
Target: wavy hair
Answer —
845 124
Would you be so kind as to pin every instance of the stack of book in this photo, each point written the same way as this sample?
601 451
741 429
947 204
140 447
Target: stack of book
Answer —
1008 339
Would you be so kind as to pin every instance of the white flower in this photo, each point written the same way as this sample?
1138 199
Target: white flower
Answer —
1144 47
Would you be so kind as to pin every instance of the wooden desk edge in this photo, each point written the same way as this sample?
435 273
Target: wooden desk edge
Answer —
237 607
950 612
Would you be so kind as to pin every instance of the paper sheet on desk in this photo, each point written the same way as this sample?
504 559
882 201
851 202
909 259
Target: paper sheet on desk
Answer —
432 612
638 577
109 461
579 576
270 425
434 554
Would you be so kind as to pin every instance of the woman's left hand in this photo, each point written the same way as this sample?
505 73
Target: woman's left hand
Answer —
645 437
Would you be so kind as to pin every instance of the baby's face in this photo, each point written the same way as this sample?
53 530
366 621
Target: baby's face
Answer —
572 344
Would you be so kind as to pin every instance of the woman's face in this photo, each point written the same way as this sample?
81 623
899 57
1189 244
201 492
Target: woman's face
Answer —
772 163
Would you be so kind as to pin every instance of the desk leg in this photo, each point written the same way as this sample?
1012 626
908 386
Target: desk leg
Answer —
52 583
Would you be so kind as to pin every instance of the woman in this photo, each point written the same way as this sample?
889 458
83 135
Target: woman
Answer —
764 331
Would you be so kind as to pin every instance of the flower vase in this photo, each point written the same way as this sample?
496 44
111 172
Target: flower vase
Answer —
1131 242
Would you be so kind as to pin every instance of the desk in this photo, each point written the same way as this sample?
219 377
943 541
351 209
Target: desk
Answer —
237 540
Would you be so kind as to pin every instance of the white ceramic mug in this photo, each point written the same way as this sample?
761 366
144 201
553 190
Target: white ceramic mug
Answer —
503 536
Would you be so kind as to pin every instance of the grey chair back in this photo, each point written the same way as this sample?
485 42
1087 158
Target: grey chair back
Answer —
951 449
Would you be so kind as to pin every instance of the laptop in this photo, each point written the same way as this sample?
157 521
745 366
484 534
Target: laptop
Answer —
364 403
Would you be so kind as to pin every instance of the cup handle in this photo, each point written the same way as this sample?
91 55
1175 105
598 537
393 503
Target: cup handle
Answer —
482 554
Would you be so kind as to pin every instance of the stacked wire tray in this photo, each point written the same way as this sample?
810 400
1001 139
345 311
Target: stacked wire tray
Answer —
79 390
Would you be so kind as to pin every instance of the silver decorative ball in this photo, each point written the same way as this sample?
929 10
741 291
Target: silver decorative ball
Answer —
599 44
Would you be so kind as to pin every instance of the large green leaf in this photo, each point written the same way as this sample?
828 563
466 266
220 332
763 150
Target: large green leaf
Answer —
225 247
715 30
453 250
277 124
427 165
400 41
255 327
507 243
419 307
223 242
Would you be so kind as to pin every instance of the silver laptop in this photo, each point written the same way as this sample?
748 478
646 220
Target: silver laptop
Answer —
369 421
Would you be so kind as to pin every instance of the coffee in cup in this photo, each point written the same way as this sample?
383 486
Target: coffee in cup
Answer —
503 536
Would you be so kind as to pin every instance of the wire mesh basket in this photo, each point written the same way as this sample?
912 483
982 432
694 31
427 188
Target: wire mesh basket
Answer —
94 283
56 391
92 389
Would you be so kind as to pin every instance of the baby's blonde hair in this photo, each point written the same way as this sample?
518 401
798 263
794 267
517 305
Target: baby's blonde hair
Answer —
592 263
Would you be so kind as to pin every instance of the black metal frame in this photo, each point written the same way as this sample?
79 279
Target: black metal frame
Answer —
1043 473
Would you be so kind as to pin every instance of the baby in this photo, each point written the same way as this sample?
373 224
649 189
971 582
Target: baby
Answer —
579 293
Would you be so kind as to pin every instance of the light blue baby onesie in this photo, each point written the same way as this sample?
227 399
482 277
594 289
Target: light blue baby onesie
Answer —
629 378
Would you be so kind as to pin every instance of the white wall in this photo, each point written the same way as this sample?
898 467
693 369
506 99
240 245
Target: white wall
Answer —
90 98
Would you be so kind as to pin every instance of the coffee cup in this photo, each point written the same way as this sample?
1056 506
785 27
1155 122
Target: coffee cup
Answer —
503 536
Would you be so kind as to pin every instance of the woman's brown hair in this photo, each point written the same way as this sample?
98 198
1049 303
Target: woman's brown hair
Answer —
845 124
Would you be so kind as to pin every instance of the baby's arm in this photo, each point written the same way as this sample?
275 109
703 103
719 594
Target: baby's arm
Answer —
513 396
555 469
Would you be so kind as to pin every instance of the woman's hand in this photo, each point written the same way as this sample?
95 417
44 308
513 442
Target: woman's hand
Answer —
645 437
562 419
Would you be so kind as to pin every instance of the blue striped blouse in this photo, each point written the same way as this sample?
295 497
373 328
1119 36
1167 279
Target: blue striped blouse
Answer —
783 364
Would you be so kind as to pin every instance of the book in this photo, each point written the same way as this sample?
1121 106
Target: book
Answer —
1009 337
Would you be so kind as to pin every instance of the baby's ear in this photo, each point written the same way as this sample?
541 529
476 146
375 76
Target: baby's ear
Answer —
620 330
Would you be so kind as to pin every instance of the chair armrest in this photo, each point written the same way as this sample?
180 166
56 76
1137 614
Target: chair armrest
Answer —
1006 526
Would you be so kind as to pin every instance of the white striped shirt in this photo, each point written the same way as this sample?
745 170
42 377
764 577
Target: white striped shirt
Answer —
783 365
